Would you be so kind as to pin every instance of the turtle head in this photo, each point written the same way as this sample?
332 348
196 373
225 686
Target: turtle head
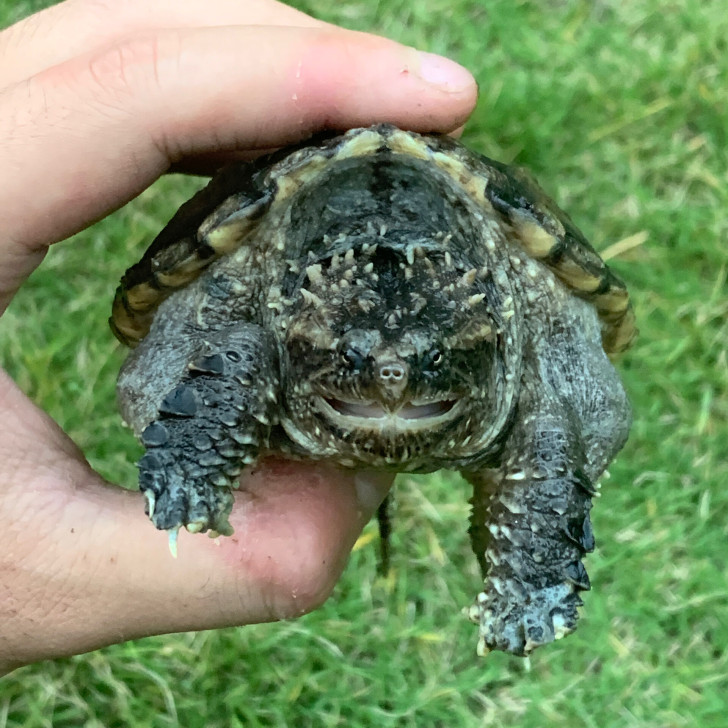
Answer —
393 360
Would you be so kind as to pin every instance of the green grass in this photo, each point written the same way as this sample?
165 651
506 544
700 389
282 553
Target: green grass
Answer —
620 109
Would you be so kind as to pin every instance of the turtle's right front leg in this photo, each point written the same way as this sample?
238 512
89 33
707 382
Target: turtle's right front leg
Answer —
208 427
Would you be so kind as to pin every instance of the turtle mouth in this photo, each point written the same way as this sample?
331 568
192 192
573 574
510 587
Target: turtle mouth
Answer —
410 415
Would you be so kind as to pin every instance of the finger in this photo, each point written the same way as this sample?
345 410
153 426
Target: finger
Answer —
78 27
83 567
81 139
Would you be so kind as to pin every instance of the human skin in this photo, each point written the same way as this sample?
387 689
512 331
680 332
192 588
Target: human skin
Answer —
98 98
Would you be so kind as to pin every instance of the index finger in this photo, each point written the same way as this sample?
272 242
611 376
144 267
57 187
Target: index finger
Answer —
81 139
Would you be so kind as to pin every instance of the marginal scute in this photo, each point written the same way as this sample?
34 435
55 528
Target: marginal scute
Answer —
576 276
128 327
360 143
290 176
180 275
619 337
538 242
615 301
401 142
142 297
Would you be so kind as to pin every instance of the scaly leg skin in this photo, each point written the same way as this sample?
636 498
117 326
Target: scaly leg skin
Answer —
207 429
530 523
530 530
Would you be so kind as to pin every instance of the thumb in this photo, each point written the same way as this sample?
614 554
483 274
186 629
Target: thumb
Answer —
85 568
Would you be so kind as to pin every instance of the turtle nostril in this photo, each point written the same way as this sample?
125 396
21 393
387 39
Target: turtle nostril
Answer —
391 372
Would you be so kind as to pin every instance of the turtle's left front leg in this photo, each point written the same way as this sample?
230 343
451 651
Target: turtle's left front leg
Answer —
530 529
530 523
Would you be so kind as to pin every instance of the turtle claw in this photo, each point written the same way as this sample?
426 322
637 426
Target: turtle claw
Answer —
512 622
173 533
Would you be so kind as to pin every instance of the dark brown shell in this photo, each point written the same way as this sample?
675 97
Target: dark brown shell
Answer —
220 217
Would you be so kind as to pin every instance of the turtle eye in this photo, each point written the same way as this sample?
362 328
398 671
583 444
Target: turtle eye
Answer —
434 358
353 358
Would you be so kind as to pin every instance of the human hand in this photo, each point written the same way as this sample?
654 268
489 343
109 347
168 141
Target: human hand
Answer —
97 100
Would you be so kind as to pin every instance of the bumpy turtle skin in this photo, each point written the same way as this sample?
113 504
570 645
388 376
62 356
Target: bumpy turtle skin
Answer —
207 429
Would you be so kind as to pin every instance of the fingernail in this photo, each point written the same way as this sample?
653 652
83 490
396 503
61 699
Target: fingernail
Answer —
371 488
442 72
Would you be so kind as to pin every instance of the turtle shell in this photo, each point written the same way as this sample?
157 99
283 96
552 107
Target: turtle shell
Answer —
220 218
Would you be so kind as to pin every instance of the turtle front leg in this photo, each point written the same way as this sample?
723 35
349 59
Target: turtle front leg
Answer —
530 523
207 429
530 529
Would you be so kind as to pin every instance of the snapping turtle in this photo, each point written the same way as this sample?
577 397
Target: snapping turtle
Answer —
385 299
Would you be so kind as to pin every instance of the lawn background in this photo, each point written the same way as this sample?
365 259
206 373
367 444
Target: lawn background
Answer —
620 109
